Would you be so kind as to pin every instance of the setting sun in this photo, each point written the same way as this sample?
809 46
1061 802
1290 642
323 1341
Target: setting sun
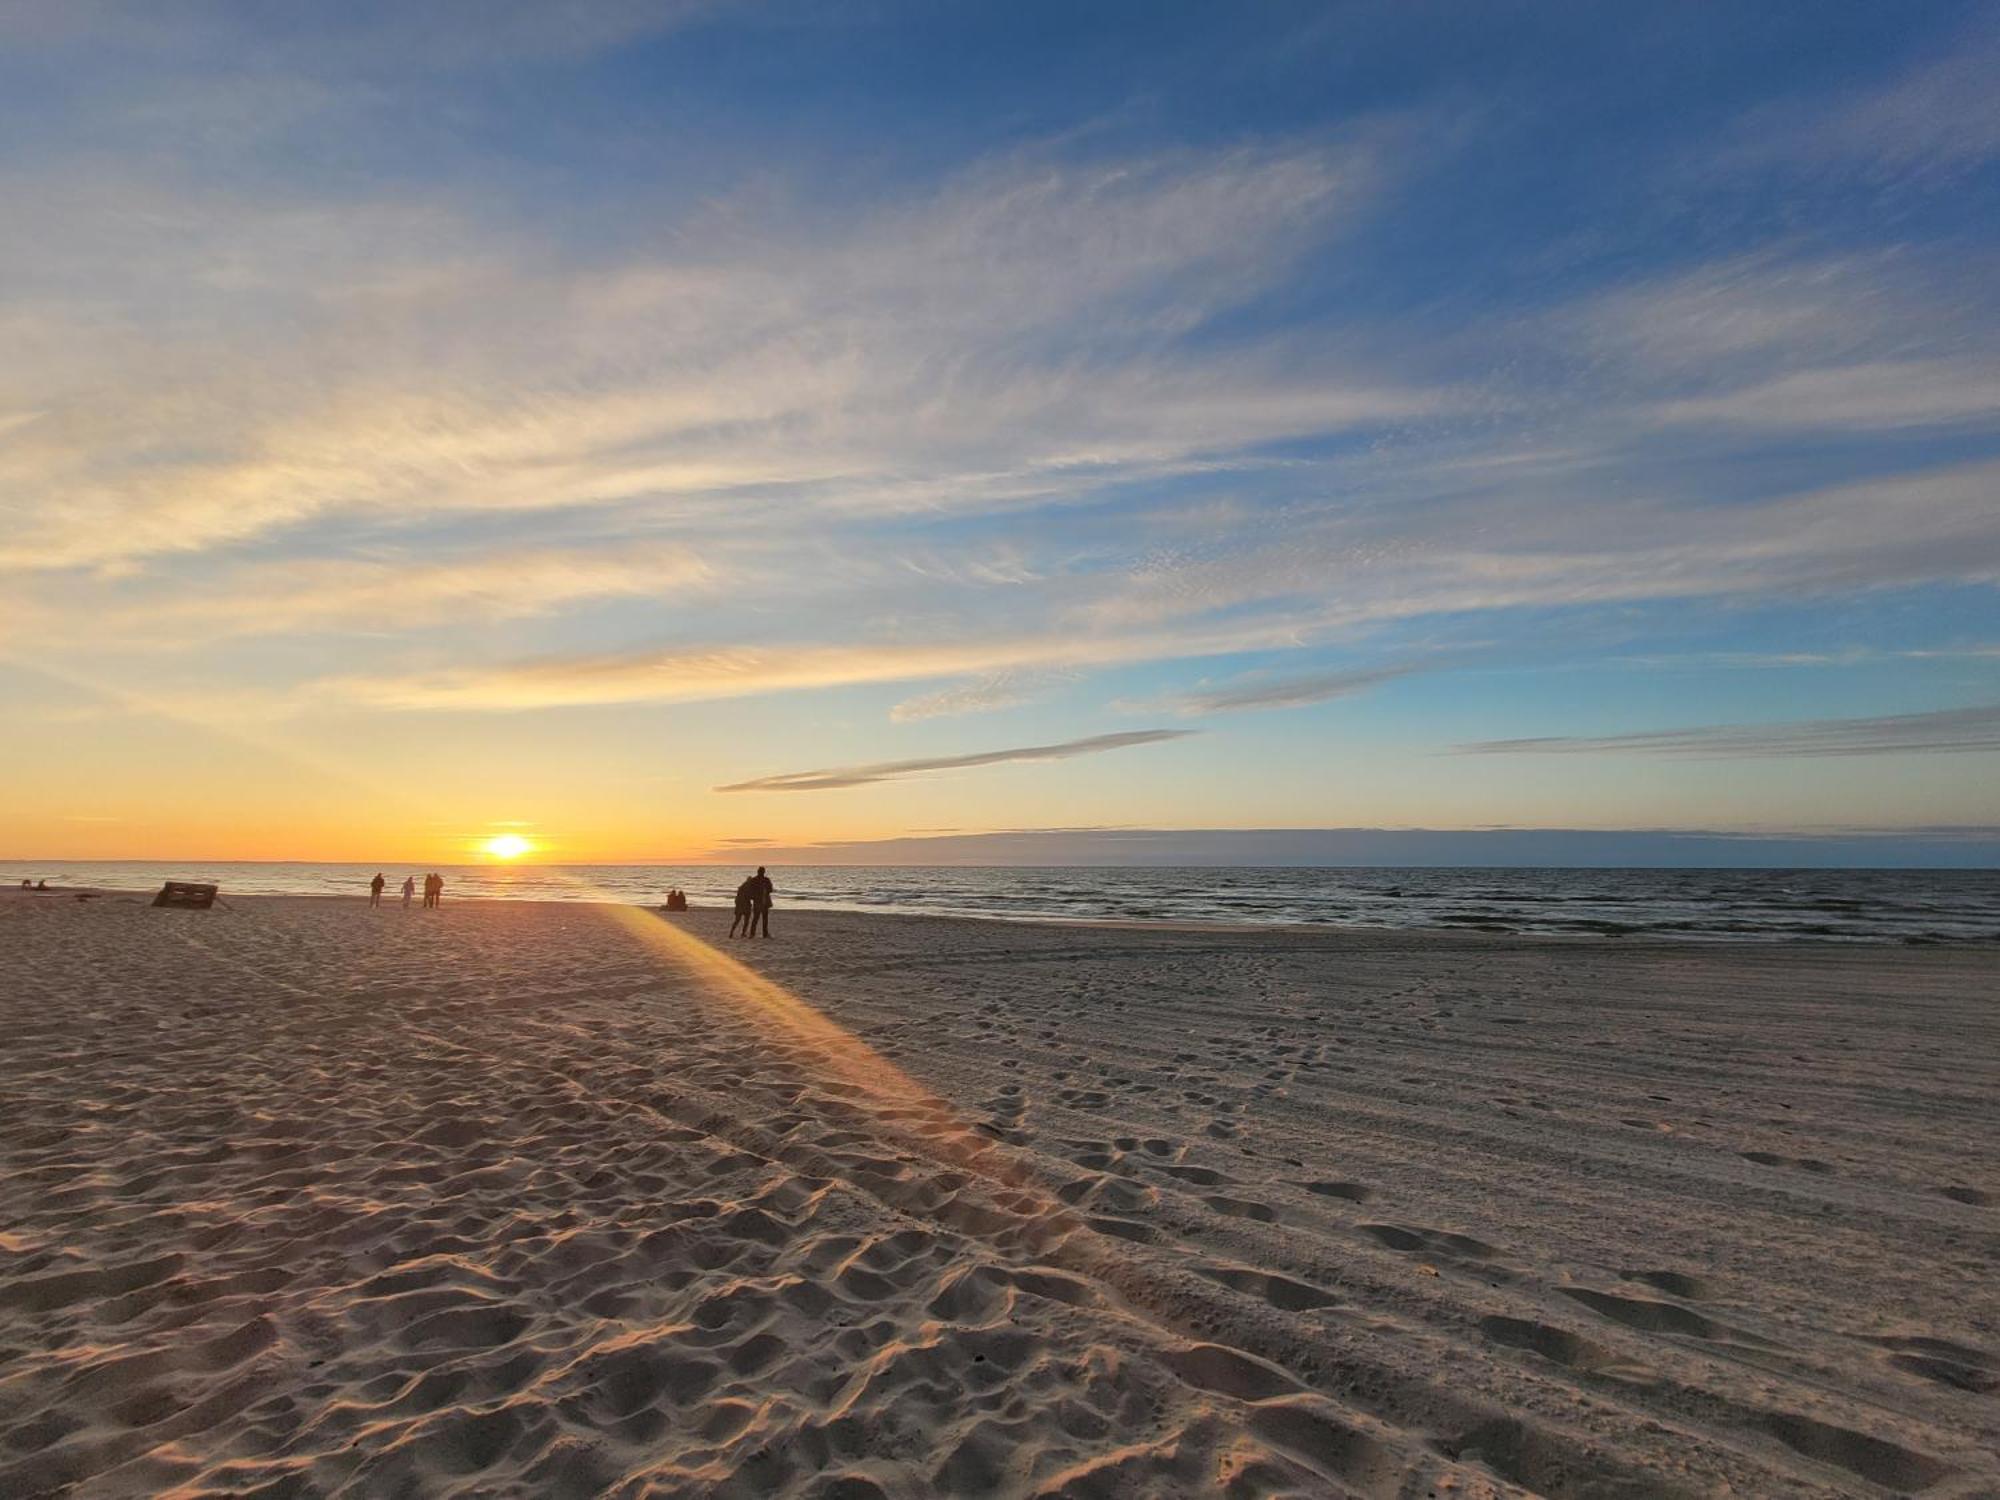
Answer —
508 846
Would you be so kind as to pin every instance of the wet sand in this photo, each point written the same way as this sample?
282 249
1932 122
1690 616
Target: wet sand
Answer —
299 1198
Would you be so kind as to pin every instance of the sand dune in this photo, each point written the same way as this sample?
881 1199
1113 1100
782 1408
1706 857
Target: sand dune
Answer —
301 1198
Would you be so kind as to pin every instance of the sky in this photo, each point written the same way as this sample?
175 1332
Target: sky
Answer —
664 430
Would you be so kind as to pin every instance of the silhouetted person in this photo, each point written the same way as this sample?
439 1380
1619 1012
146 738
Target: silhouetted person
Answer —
437 889
41 885
760 902
746 909
375 889
409 889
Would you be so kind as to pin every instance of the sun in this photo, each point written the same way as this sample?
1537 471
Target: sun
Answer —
508 846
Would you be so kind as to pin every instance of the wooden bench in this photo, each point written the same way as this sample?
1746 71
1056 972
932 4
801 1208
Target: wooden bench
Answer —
186 893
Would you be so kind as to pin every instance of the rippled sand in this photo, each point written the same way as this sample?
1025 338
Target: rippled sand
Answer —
301 1198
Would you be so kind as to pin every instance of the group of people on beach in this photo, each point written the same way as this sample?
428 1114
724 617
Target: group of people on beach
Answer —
753 899
433 889
753 905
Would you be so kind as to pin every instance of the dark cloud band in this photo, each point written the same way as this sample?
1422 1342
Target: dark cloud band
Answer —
1952 731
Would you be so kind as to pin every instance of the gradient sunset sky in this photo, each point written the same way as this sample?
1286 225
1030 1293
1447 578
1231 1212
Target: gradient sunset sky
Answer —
651 426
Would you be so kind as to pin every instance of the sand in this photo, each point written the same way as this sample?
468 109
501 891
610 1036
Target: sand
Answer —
299 1198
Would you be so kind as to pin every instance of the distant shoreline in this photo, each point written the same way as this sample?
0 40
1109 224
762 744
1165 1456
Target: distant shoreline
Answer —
1361 932
755 858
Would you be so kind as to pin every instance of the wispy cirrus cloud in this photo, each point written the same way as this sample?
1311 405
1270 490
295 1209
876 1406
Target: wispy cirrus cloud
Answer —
366 37
1267 691
1888 394
387 595
685 674
1934 119
1568 546
1014 332
897 770
1950 731
1328 577
1847 657
1788 339
983 695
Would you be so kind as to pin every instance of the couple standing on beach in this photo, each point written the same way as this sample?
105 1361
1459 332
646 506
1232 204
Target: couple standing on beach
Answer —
753 906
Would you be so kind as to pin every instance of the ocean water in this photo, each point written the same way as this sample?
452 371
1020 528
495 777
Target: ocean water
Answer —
1915 906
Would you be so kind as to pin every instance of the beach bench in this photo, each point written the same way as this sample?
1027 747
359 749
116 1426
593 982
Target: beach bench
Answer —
186 893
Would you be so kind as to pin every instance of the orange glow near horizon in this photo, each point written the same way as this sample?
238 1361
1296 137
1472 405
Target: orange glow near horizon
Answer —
507 846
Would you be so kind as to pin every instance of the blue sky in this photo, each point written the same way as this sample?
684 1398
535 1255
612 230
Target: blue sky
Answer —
986 417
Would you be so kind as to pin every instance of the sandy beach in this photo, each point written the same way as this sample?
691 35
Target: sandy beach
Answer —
299 1198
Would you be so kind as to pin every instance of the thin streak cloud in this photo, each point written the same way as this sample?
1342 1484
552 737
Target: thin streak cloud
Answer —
1951 731
898 770
999 690
1283 692
1909 393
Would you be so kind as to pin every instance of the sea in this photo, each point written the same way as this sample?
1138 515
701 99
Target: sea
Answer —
1863 906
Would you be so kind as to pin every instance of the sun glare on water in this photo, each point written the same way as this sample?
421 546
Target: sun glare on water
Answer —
508 846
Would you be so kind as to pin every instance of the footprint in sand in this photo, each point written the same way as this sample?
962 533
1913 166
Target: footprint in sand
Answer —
1410 1239
1009 1109
1241 1208
1673 1283
1876 1459
1560 1346
1124 1229
1659 1317
1944 1362
1199 1176
1281 1292
1083 1098
1351 1192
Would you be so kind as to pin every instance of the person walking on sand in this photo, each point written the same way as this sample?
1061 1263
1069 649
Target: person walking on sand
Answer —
760 903
746 909
375 889
409 890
